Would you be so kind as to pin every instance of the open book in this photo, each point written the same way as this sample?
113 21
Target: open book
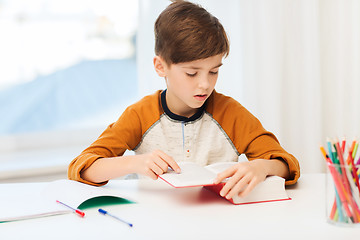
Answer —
193 175
41 201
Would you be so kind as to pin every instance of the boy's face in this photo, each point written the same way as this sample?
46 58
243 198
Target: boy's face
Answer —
189 84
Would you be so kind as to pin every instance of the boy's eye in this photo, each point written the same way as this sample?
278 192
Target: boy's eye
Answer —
191 74
214 73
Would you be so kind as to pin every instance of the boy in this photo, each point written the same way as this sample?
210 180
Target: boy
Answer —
189 121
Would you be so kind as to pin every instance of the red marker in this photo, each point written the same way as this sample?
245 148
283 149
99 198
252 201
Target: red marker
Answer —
77 211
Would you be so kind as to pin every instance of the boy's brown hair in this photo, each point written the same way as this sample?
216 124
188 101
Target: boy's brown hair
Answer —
186 32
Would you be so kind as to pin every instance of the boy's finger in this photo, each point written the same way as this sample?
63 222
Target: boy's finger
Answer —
150 173
248 189
156 169
170 161
240 186
230 184
161 164
225 174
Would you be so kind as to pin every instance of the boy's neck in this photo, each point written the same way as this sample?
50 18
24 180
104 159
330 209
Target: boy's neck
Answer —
199 112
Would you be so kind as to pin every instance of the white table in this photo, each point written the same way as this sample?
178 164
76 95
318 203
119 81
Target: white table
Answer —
163 212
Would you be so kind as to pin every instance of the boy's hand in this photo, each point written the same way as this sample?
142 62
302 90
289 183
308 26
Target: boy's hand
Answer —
154 164
244 176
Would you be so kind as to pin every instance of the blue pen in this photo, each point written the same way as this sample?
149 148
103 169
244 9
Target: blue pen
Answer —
102 211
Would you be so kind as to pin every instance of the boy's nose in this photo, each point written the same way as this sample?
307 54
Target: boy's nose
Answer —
204 83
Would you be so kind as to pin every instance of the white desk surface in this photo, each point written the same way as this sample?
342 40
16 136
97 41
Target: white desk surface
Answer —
163 212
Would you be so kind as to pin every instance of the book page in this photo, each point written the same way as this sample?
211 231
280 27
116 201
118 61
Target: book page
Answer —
220 166
40 200
28 203
192 174
273 188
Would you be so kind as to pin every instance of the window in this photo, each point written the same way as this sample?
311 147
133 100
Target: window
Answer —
68 69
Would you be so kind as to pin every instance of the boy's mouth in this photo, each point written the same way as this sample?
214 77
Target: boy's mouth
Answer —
201 97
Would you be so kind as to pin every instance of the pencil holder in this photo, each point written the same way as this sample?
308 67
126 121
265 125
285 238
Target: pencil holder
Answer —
343 194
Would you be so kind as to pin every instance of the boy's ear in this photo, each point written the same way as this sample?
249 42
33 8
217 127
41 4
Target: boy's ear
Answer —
159 66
